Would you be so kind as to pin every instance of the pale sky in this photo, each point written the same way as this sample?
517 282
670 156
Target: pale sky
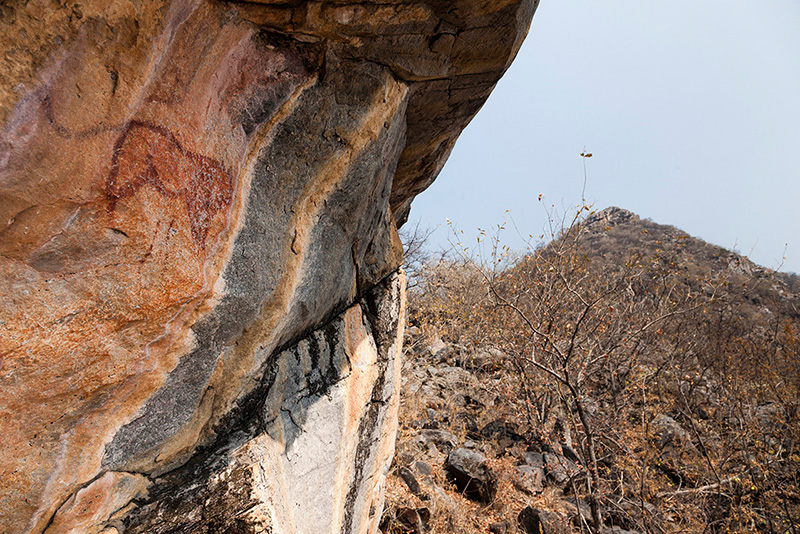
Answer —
691 109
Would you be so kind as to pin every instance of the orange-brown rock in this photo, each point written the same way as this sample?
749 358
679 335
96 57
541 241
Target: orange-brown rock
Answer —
189 189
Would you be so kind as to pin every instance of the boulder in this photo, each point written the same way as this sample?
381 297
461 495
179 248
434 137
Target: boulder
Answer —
411 481
200 309
560 470
579 511
443 440
534 459
468 470
326 411
423 468
618 530
438 348
534 521
413 520
668 432
529 479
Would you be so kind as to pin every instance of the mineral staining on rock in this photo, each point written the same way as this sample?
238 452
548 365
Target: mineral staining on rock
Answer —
89 510
198 206
103 279
311 446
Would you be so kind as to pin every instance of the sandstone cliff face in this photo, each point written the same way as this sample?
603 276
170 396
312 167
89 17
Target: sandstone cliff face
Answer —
199 324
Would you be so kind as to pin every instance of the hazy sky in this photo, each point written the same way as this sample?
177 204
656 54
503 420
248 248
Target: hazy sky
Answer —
690 107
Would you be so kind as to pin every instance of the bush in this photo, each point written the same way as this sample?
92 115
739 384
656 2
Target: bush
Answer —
670 366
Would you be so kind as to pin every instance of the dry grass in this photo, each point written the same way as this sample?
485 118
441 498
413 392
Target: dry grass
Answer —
723 363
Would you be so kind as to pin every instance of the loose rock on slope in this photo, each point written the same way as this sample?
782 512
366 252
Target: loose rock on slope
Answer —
471 475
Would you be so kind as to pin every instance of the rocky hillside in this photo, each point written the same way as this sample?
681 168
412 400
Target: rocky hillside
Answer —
625 372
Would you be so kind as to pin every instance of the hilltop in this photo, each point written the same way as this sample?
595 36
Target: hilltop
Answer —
625 373
614 234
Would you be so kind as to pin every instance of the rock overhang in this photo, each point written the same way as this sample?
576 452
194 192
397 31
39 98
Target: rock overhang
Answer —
188 189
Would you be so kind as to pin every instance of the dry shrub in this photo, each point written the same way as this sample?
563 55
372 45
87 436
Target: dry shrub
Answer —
618 326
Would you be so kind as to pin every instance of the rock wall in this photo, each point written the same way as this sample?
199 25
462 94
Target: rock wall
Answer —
199 320
306 451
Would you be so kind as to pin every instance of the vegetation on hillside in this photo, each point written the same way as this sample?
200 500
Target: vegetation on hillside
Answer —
661 371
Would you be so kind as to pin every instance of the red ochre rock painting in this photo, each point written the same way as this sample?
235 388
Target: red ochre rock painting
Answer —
146 154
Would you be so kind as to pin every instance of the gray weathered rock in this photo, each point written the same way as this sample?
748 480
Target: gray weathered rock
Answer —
326 409
468 470
437 347
560 470
534 521
618 530
579 511
444 441
422 468
529 479
669 432
534 459
407 475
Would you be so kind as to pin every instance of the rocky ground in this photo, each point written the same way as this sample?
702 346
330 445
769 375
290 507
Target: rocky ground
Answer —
462 466
695 415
